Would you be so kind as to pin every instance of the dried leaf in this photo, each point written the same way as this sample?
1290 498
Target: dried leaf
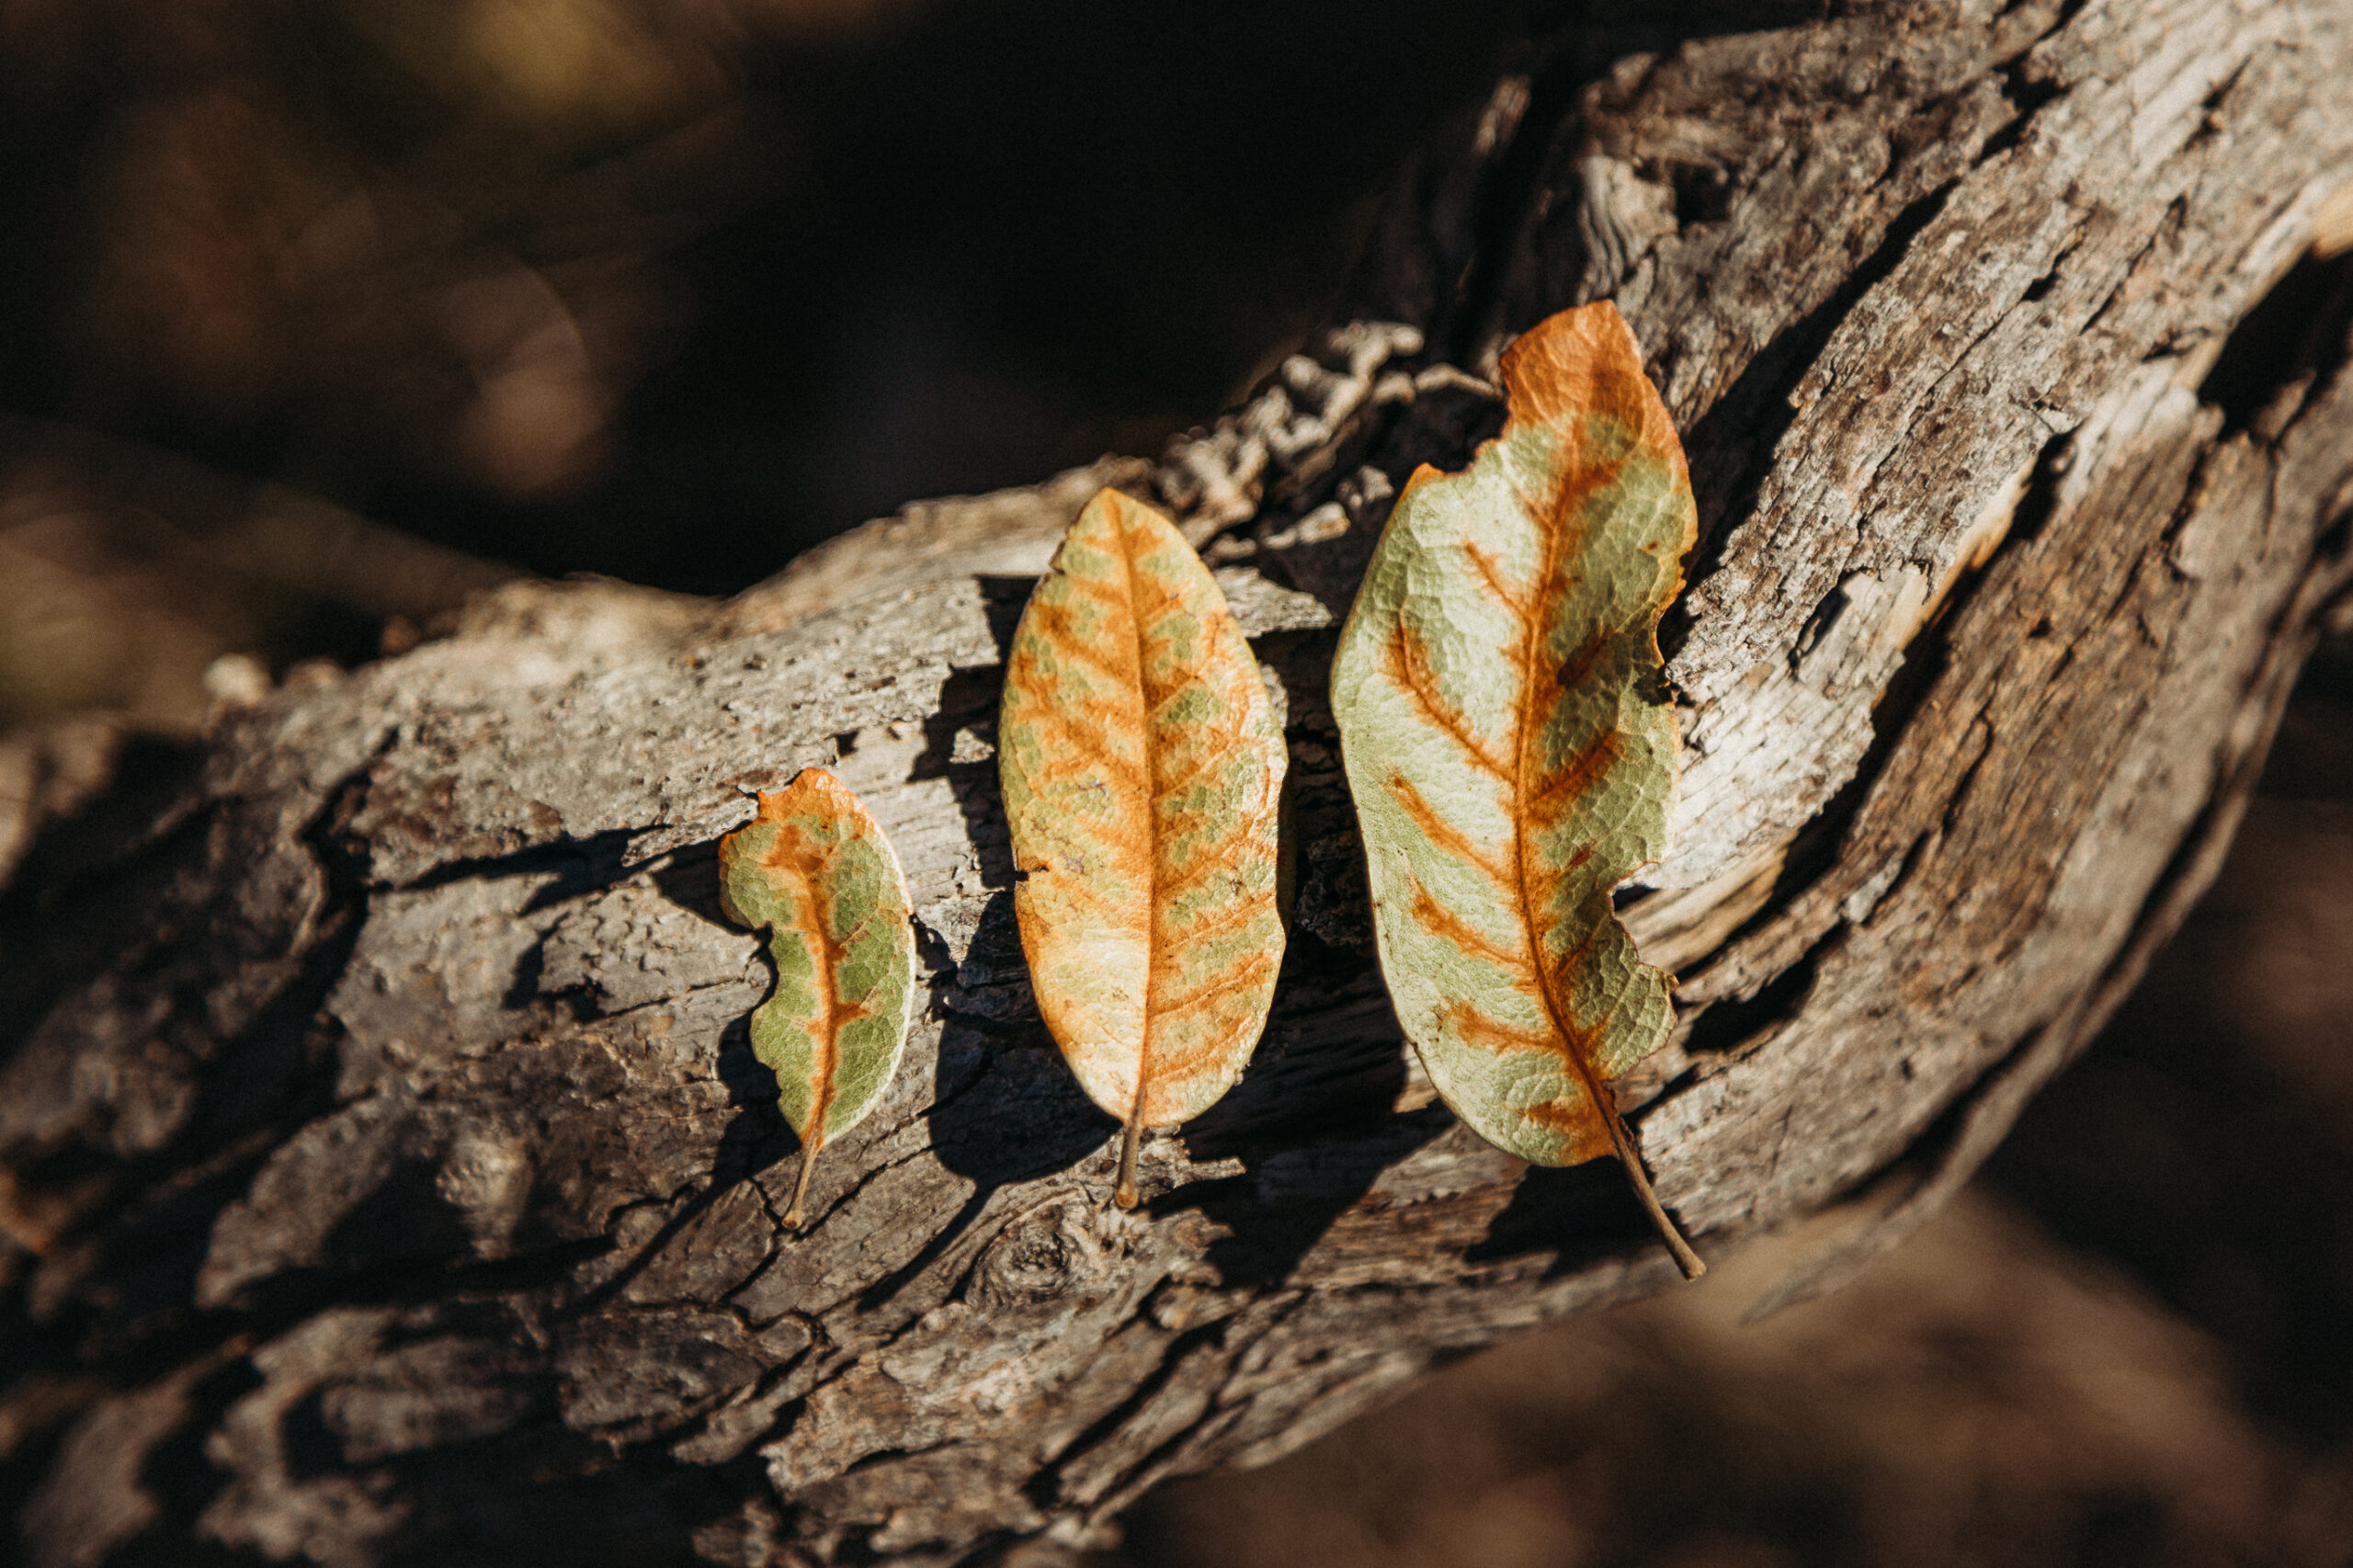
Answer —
1511 748
816 870
1142 770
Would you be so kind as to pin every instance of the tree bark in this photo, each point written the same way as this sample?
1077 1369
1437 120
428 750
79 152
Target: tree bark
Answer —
388 1179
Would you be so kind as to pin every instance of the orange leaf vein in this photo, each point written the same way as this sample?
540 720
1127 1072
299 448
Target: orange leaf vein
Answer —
1444 834
1561 539
1413 672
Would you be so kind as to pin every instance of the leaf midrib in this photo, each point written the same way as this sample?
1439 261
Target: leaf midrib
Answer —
829 954
1552 526
1152 935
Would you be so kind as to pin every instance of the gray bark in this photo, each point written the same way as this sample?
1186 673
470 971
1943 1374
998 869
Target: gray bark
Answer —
388 1175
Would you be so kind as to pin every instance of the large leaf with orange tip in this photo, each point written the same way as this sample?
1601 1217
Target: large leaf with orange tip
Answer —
814 869
1508 740
1142 770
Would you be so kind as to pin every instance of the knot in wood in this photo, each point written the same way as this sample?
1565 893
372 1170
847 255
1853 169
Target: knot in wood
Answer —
1051 1253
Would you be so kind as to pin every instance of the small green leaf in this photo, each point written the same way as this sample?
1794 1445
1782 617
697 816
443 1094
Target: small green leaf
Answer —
814 869
1142 772
1507 736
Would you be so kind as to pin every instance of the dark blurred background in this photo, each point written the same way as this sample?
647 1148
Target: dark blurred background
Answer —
319 314
667 290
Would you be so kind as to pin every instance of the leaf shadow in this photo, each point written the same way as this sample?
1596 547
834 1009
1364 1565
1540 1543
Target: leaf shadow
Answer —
1314 1117
1581 1214
1274 1215
756 1136
755 1139
1004 1108
1003 598
965 719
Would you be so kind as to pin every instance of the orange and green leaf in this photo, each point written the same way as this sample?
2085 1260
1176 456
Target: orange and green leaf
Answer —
1143 771
815 871
1508 739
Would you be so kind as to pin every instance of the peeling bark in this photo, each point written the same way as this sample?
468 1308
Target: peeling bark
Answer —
388 1175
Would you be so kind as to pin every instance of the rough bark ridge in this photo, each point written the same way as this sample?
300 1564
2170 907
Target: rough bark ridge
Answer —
388 1177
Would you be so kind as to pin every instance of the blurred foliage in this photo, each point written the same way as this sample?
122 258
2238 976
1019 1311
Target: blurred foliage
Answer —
671 291
125 574
665 290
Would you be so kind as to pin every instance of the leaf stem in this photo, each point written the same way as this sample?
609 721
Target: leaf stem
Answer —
1124 1195
801 1185
1621 1138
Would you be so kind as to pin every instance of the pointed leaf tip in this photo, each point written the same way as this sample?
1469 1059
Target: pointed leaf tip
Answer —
1143 773
1499 689
814 869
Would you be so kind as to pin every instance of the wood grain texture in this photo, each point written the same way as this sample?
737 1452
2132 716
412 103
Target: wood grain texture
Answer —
388 1174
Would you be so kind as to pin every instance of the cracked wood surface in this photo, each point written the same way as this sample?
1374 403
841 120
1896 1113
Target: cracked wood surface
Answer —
388 1174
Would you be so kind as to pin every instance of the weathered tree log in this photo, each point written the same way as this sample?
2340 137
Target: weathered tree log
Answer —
389 1179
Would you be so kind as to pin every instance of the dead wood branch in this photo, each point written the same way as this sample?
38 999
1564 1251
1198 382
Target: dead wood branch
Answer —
387 1176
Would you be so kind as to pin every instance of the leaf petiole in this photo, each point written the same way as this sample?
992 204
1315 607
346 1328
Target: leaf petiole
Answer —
801 1185
1124 1195
1621 1139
